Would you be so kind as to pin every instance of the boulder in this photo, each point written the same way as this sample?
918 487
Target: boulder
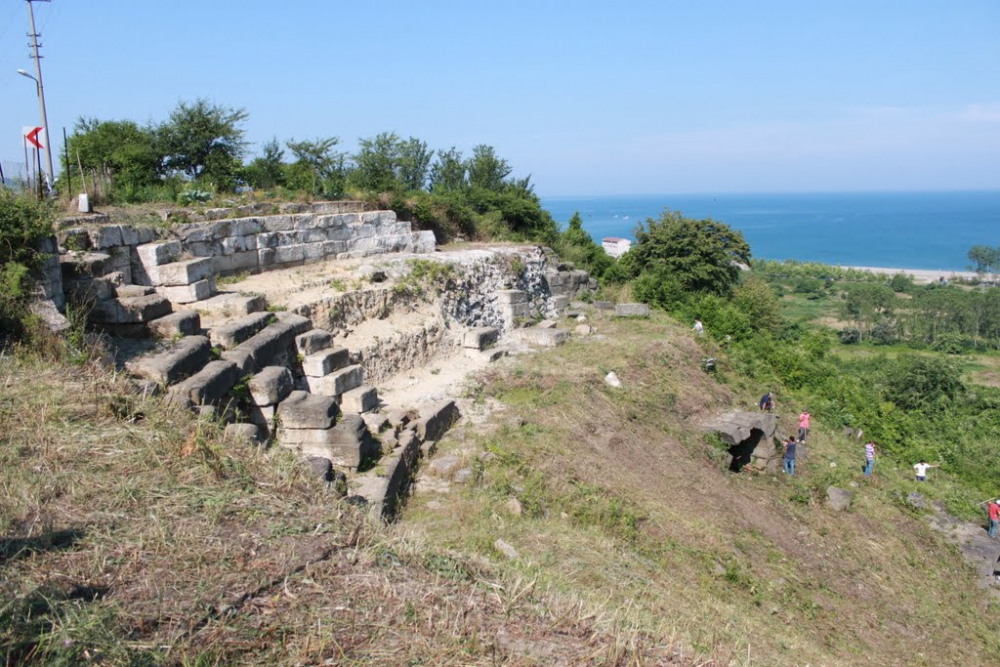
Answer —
839 500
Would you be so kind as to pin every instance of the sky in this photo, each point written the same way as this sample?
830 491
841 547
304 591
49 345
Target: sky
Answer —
631 97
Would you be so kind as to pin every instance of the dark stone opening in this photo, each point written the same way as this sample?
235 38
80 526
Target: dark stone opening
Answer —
743 452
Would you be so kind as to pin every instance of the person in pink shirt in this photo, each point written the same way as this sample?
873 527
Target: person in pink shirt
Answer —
804 419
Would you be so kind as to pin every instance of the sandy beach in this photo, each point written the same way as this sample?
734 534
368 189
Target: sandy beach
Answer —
919 275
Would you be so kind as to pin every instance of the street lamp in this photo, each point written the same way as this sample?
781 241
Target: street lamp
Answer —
45 124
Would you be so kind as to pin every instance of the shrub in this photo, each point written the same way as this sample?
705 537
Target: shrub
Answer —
24 222
850 336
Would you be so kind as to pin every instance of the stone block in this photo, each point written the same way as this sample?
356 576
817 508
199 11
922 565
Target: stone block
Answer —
182 273
92 289
272 346
236 262
243 434
604 305
222 308
184 358
271 386
631 310
435 420
313 341
583 330
230 335
359 400
337 382
839 500
546 324
105 236
512 296
263 416
130 310
324 362
73 239
84 265
481 338
179 323
209 386
134 290
158 254
542 337
302 410
184 294
299 323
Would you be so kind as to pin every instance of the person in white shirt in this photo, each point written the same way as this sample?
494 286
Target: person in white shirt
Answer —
921 470
698 327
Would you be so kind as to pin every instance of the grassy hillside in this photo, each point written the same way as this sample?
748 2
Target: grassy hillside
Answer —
136 535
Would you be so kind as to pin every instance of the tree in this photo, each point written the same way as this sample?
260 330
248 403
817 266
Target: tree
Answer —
120 147
448 173
375 163
702 255
487 170
317 167
867 302
985 259
576 245
267 171
204 141
915 382
413 164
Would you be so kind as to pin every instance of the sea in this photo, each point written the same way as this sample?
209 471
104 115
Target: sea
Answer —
912 230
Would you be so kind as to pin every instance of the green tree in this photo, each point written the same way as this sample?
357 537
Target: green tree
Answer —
916 382
267 170
486 169
449 172
701 255
318 168
985 259
121 147
577 246
413 164
204 141
375 163
867 302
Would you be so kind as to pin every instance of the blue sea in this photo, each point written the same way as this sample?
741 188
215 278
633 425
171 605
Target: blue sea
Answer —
914 230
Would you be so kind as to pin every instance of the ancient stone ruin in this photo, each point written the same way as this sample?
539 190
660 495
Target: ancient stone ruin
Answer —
750 437
312 327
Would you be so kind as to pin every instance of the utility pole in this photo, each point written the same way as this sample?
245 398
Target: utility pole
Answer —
41 92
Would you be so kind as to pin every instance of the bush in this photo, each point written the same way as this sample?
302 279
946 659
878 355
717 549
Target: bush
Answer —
24 223
850 336
951 343
884 332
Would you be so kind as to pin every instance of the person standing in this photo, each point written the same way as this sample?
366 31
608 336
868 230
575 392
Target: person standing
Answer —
994 510
789 459
869 458
921 470
804 420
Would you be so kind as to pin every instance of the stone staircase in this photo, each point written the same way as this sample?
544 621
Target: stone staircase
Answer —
273 377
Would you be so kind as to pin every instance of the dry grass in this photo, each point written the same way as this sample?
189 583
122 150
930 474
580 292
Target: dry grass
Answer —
627 509
135 535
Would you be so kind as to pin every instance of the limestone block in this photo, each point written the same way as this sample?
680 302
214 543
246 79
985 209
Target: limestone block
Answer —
325 362
83 265
179 323
337 382
631 310
183 294
92 289
265 257
278 223
542 337
583 330
181 360
423 242
144 234
271 386
263 416
130 310
435 420
246 227
236 262
224 307
105 236
299 323
289 254
604 305
481 338
181 273
546 324
208 386
359 400
234 244
243 358
302 410
274 345
313 341
230 335
159 253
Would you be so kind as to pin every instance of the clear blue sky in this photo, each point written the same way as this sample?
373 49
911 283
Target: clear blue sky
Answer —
589 98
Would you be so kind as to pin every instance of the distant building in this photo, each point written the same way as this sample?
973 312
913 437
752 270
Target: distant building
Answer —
615 246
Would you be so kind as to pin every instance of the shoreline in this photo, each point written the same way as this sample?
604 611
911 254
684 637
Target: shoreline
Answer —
919 275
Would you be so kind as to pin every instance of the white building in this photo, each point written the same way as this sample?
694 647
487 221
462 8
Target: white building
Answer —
615 246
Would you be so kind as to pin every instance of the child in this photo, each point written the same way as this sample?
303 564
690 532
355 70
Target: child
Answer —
869 458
